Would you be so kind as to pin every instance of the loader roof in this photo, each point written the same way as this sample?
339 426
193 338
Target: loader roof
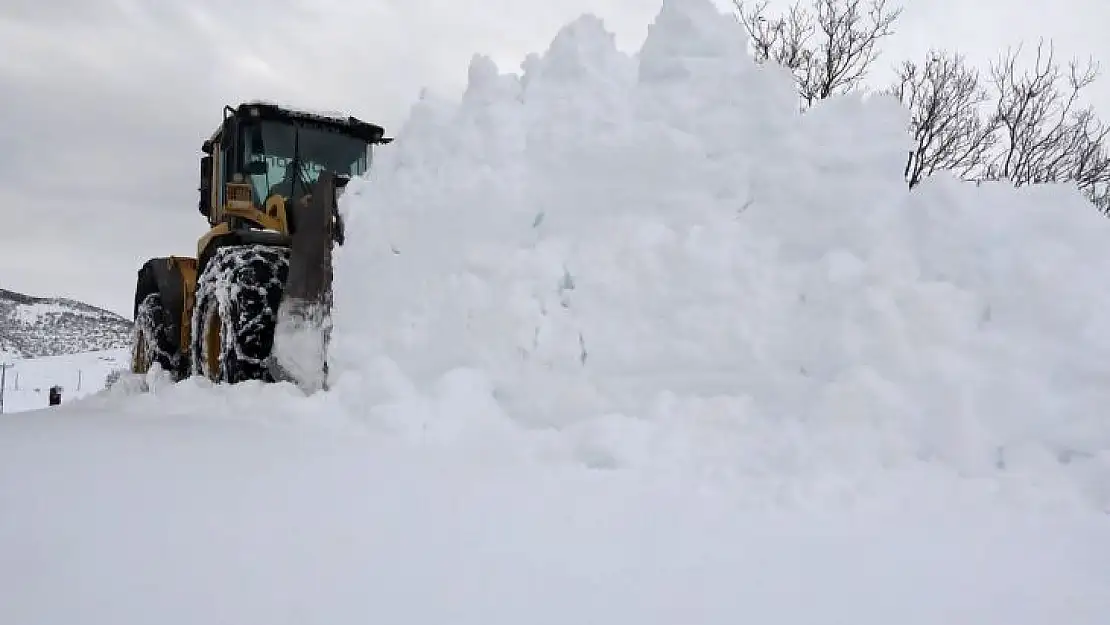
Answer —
347 124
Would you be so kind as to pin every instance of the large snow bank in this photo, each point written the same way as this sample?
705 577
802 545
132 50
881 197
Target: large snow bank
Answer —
659 254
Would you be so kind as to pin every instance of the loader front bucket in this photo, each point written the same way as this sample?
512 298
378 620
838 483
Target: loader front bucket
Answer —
303 327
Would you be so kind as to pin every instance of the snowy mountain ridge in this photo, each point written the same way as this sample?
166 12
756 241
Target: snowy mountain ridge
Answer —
32 327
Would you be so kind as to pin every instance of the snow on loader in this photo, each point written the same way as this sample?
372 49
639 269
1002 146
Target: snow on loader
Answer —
255 303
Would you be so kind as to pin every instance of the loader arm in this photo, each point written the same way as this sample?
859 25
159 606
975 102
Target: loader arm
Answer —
303 327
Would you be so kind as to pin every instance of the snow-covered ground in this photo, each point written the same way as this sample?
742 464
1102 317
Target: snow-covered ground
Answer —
623 340
163 515
27 381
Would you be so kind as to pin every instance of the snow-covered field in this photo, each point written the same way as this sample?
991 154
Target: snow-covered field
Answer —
623 340
27 382
149 517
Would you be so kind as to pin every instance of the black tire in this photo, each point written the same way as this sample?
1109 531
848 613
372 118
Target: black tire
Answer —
237 299
152 338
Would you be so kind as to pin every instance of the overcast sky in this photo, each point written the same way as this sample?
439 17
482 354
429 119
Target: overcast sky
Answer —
104 103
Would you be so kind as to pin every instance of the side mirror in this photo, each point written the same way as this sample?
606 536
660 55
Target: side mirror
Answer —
205 204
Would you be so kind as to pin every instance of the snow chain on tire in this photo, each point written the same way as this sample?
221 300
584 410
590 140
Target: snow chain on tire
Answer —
152 338
242 286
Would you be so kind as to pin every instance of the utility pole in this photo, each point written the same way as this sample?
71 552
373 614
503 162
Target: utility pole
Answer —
3 382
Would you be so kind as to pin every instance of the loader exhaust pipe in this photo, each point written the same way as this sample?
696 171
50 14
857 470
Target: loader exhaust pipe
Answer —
303 328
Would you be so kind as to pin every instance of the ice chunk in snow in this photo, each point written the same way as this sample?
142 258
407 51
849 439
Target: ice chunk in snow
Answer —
631 236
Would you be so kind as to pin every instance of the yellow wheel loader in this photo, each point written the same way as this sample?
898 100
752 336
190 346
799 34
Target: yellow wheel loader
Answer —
255 302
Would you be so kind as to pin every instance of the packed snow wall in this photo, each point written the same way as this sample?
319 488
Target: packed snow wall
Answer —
637 243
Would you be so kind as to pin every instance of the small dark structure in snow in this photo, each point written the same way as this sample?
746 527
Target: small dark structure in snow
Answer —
55 395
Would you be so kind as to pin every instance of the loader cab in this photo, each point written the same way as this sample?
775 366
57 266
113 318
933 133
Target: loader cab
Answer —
278 150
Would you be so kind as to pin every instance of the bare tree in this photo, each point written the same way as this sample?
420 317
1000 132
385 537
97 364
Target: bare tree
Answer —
1026 127
1045 135
949 128
829 47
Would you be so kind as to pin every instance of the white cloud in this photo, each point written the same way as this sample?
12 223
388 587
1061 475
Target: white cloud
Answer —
105 102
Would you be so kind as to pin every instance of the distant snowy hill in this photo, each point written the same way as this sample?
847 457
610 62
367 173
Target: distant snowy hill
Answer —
31 327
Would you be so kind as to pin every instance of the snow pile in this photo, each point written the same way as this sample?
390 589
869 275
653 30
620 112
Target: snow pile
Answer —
660 255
